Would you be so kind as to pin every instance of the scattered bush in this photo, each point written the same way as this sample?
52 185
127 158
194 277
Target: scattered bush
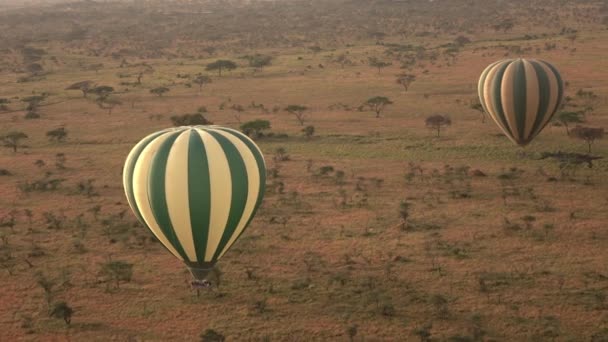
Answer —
254 128
63 311
117 271
211 335
190 120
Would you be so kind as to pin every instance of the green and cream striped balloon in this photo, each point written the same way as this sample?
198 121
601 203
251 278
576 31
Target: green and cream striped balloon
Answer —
521 96
196 188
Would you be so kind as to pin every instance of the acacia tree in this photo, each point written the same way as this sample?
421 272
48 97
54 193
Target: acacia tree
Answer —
84 86
376 63
254 128
298 111
102 90
118 271
588 134
190 120
108 103
13 140
33 102
211 335
201 80
462 40
315 49
159 91
505 25
405 80
221 64
238 109
104 99
259 61
63 311
34 69
437 121
309 131
58 134
565 118
343 60
377 104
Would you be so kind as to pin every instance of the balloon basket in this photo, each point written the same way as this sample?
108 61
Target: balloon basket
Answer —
200 284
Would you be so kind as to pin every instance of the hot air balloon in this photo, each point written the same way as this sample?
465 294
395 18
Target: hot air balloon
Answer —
521 96
196 188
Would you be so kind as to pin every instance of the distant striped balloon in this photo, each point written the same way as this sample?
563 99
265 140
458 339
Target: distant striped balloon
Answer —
196 188
521 96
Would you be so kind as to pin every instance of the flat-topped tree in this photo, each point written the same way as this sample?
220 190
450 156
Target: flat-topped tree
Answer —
221 64
13 140
588 134
63 311
570 158
298 111
566 117
159 91
254 128
211 335
201 80
343 60
377 104
84 86
308 131
438 121
33 102
57 135
108 103
190 120
505 25
259 61
405 80
376 63
34 69
315 49
102 90
462 40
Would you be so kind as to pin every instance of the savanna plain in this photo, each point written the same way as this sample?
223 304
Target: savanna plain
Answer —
377 223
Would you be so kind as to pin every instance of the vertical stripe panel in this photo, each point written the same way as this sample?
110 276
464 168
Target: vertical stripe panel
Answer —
177 193
510 93
492 96
261 167
544 94
554 97
490 100
481 85
499 99
532 100
560 85
141 175
488 97
519 100
199 193
220 190
253 185
157 195
127 173
240 188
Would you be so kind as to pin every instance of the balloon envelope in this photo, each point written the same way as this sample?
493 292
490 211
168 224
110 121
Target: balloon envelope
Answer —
196 188
521 96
